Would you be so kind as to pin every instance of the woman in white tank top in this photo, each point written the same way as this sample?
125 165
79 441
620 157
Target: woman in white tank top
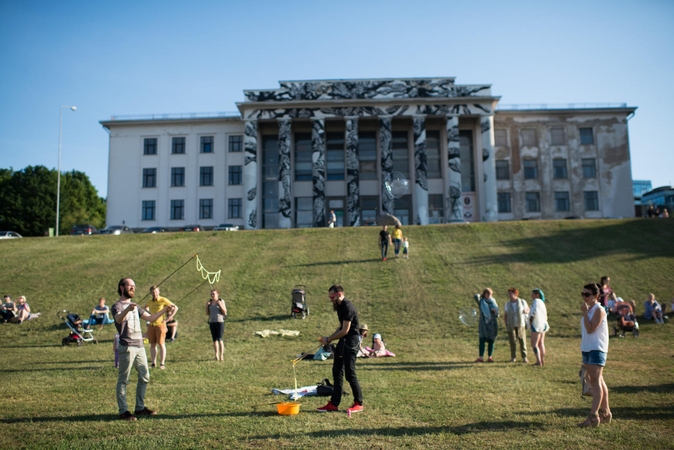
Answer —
594 347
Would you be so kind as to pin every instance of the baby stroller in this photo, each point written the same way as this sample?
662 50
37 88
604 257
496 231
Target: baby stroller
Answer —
77 334
299 302
626 320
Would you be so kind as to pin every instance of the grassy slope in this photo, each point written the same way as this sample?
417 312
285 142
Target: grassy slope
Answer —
429 396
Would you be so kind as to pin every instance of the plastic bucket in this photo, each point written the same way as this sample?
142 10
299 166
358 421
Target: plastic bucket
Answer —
288 408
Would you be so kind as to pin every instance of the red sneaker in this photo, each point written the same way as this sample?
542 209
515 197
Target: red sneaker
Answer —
383 259
328 408
357 407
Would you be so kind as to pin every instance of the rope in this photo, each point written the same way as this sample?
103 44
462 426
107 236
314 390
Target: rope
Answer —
195 256
201 284
212 277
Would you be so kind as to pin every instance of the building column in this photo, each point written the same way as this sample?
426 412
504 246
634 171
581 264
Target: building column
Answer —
318 170
489 210
284 198
386 161
454 210
352 164
250 175
421 175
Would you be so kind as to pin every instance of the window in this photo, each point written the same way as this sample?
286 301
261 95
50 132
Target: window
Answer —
504 205
369 210
234 175
530 169
402 208
401 153
177 176
591 200
467 161
178 145
529 137
304 212
562 201
557 136
436 208
335 164
589 168
148 210
236 143
501 137
559 168
502 169
303 161
234 208
367 155
533 201
206 176
150 146
149 178
433 154
586 136
206 144
177 209
206 208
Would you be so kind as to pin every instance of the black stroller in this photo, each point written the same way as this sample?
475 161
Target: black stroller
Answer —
77 335
299 302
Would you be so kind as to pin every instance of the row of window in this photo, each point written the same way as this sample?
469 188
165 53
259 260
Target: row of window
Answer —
178 176
559 168
562 202
530 137
177 210
206 145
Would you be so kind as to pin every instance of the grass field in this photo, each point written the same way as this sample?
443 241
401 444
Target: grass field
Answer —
430 396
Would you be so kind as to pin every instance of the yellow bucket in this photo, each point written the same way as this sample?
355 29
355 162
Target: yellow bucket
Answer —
288 408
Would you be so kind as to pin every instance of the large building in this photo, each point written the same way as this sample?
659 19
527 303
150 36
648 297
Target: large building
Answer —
294 153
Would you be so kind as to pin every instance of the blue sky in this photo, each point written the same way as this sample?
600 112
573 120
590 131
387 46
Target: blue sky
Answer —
136 57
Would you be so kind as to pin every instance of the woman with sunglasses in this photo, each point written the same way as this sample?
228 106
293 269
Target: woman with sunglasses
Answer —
594 347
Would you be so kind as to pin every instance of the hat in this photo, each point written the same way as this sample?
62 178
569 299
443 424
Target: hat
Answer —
377 336
364 327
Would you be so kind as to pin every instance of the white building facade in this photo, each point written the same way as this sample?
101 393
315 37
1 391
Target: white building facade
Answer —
295 153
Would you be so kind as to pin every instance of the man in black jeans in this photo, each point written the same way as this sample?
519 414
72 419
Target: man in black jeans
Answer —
345 354
384 241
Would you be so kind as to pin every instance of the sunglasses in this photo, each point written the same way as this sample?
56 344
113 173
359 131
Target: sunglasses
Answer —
586 294
333 297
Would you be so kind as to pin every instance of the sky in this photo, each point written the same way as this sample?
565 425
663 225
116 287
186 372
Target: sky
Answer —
155 57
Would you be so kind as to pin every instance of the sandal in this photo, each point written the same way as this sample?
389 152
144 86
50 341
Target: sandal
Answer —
490 360
479 360
592 420
605 417
153 365
162 366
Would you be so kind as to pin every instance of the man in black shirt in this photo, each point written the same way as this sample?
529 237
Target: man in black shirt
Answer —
345 354
384 241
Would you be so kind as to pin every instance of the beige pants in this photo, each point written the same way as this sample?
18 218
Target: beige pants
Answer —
132 357
517 334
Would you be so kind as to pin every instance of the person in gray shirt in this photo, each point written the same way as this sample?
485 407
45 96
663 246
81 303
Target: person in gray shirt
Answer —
131 350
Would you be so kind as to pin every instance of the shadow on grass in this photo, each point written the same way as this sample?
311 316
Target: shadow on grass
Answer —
629 413
658 388
640 238
414 366
31 346
115 418
261 318
337 263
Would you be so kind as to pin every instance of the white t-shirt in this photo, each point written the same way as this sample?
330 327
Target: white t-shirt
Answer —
598 339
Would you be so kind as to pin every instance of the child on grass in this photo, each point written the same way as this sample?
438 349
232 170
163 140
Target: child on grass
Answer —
406 248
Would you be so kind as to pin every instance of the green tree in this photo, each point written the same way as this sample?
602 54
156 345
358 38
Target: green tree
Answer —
28 201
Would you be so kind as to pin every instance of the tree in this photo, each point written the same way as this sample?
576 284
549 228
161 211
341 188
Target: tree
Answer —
28 201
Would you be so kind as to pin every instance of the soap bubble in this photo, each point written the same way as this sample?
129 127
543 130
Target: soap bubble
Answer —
468 316
396 184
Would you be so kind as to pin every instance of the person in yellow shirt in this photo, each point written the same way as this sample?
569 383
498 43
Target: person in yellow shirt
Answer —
397 239
156 331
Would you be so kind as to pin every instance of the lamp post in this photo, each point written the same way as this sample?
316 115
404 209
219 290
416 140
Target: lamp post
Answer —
58 182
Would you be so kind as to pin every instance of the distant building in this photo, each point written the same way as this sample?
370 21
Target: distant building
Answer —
639 187
294 153
659 198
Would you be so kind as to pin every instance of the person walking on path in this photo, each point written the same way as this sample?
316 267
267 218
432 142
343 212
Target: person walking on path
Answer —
397 239
515 318
488 324
384 242
131 350
332 220
594 348
345 353
538 323
217 313
156 331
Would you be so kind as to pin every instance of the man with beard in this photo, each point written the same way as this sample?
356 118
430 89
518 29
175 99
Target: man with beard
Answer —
131 350
345 354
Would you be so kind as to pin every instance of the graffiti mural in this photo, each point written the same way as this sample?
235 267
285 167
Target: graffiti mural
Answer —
386 155
250 173
352 185
421 173
318 170
284 199
455 208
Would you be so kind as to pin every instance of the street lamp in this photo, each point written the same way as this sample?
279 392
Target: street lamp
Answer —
58 183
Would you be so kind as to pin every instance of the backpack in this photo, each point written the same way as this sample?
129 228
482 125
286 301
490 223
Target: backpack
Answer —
324 388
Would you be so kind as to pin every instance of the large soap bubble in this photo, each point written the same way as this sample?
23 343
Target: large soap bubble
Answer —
468 316
396 184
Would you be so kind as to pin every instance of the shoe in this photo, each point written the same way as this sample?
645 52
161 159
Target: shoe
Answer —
490 360
162 367
328 408
605 418
591 421
145 412
128 416
383 259
357 407
526 361
479 360
513 360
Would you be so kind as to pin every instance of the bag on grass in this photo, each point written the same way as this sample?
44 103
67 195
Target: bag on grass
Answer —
585 386
324 388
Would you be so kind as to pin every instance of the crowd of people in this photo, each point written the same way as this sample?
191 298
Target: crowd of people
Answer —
395 239
18 312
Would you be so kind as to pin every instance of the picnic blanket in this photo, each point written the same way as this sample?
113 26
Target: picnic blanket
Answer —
305 391
284 333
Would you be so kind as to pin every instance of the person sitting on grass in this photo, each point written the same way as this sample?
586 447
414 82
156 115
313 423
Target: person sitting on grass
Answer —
653 310
378 347
23 311
99 315
362 334
8 309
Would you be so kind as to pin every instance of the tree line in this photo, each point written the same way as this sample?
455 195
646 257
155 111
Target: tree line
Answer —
28 201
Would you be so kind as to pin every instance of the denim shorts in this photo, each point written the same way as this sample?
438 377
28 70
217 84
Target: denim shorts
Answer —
595 358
